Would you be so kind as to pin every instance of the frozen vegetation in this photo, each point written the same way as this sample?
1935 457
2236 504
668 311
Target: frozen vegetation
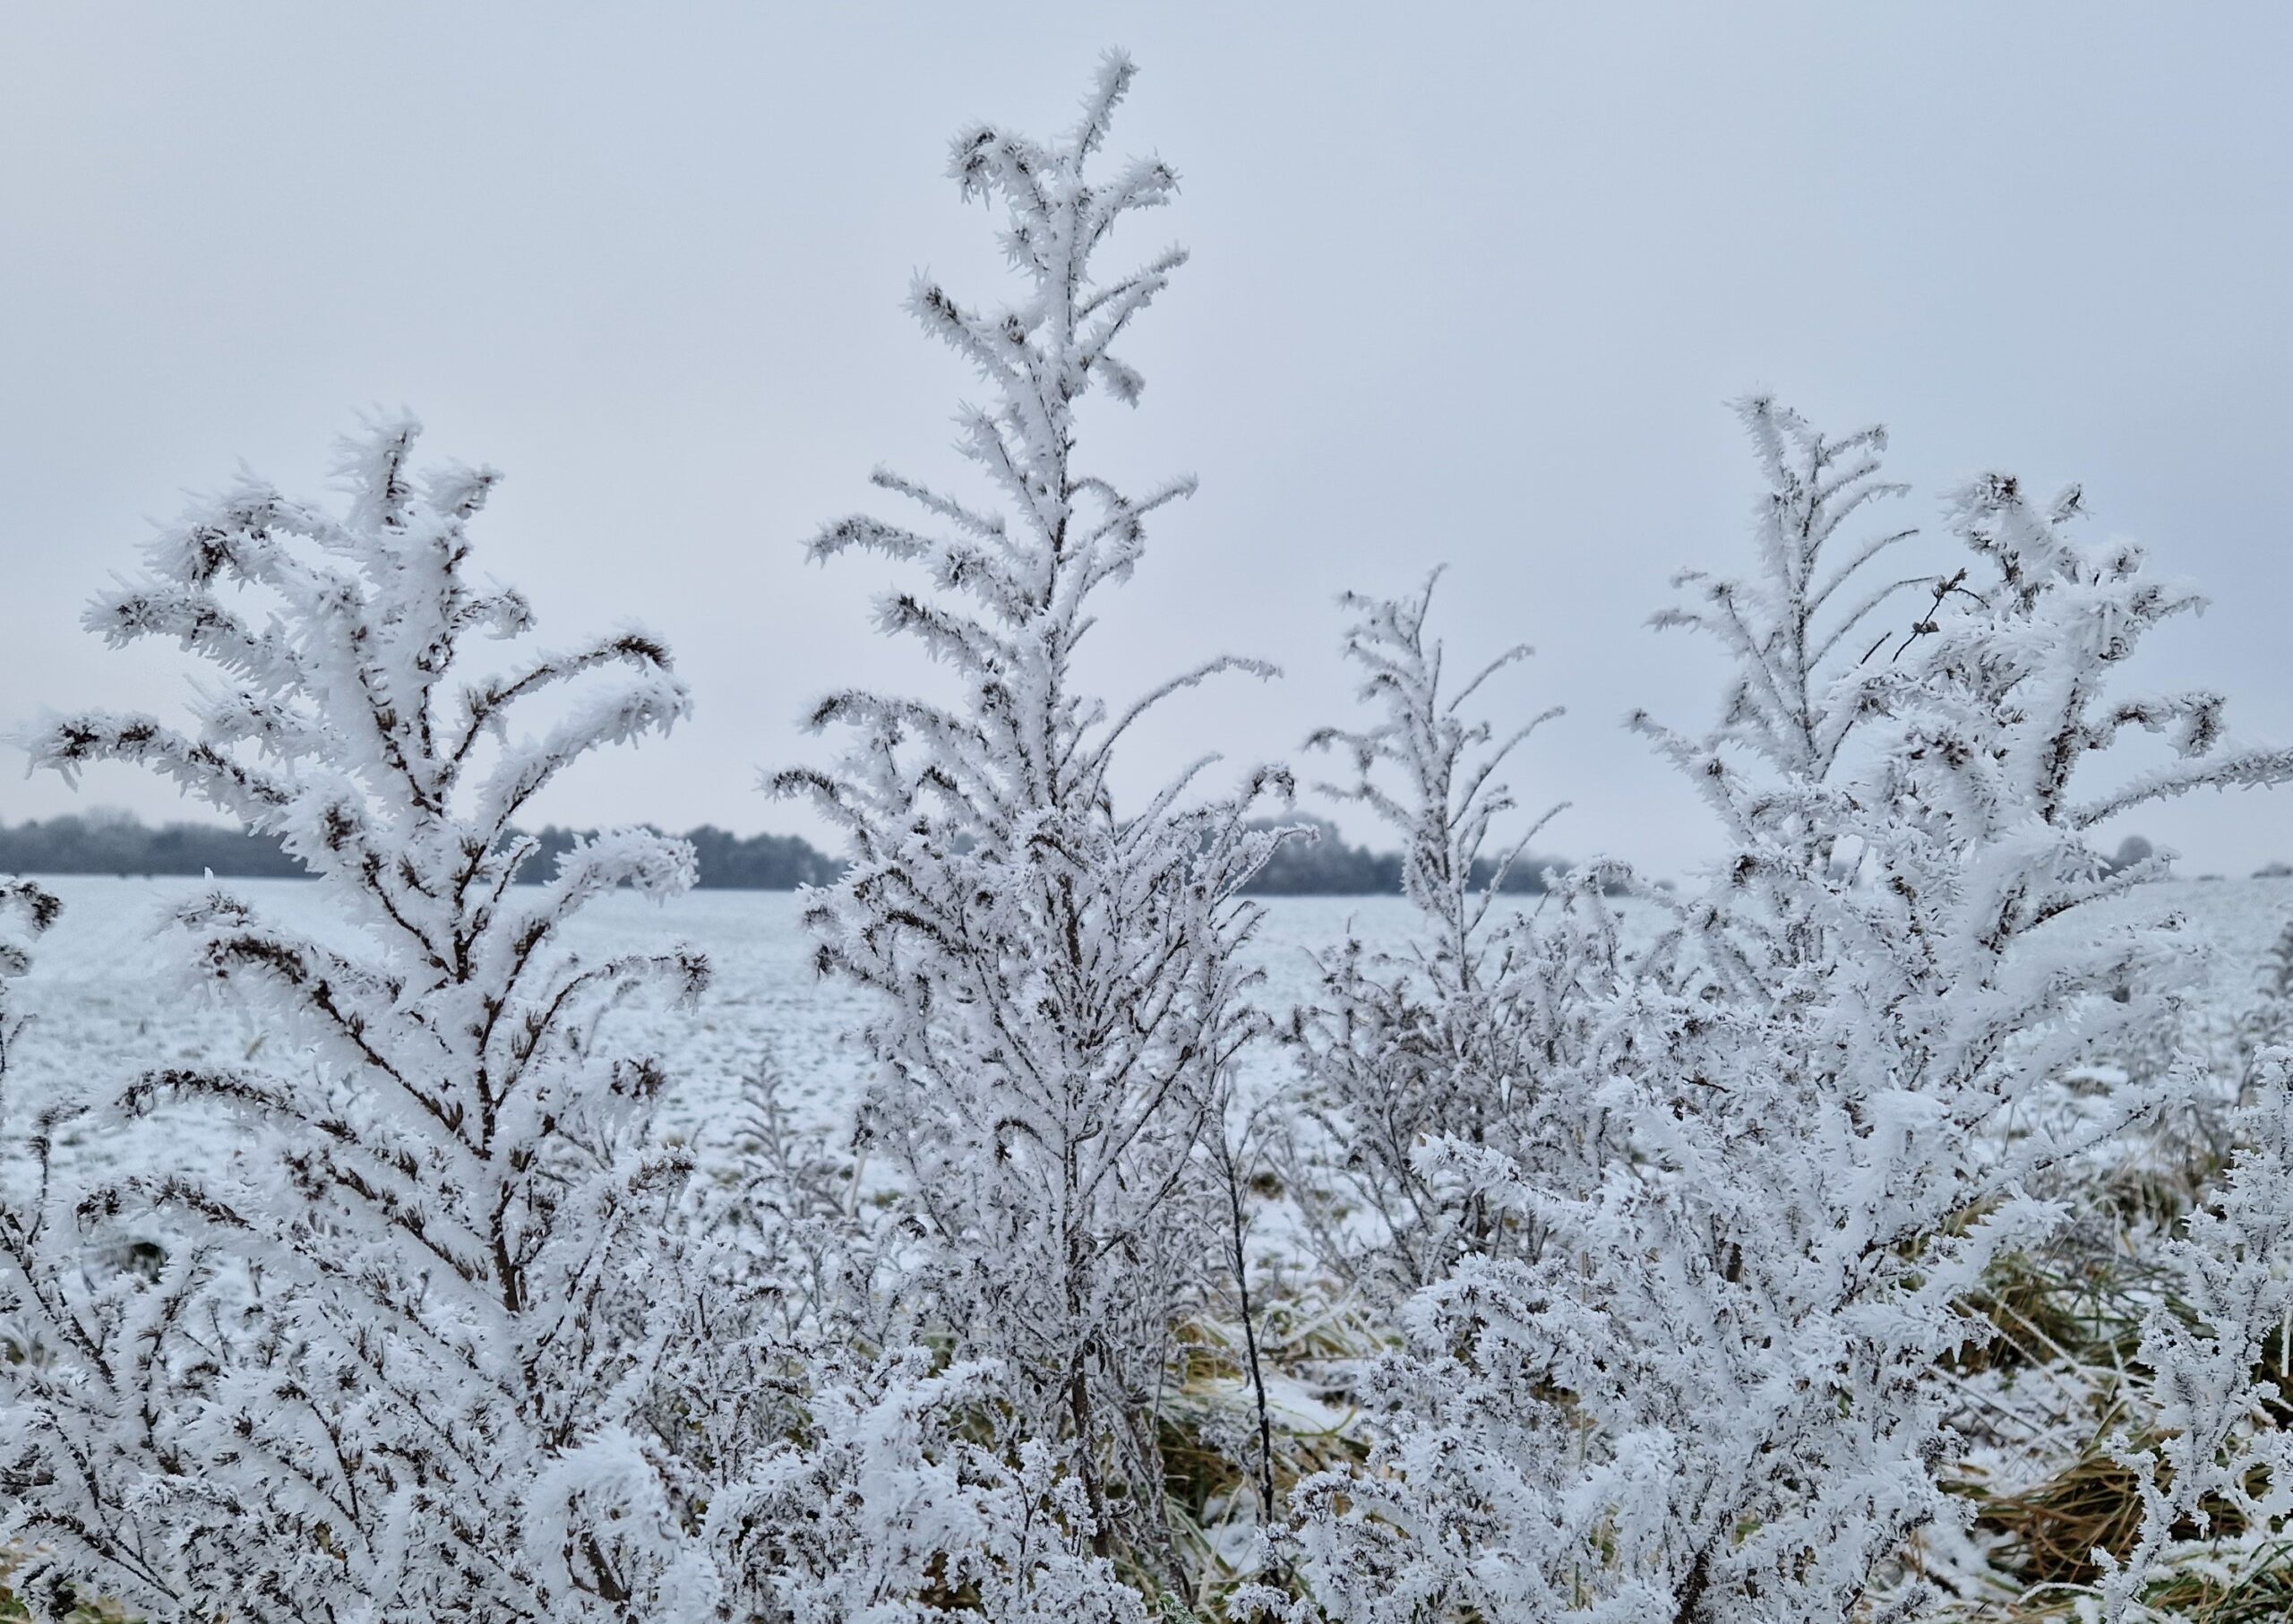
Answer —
1893 1222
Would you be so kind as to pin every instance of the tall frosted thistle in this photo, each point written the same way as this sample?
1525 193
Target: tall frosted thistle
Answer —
1058 978
380 1372
1720 1389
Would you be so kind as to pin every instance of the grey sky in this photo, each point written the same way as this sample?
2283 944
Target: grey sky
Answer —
1470 283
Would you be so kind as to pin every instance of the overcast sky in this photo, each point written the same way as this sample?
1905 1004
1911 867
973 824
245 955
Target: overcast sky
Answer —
1469 284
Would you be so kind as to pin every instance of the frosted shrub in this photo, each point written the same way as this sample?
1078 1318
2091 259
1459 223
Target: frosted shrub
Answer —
26 911
834 1466
888 1513
1459 1034
1713 1393
1056 978
382 1369
2267 1021
2224 1466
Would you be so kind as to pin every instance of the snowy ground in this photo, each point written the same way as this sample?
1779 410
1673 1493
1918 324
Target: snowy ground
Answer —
105 1000
105 1004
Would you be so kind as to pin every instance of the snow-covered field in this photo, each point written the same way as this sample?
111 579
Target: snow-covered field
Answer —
106 1000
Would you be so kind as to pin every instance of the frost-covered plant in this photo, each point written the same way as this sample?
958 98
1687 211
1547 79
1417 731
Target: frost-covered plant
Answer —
833 1466
382 1371
888 1513
2267 1023
1057 978
1452 1035
26 911
2225 1463
1714 1394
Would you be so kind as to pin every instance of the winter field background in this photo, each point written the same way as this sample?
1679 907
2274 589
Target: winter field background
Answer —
107 996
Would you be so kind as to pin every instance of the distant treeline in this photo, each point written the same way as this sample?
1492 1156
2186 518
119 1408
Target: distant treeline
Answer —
111 843
1327 866
733 863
